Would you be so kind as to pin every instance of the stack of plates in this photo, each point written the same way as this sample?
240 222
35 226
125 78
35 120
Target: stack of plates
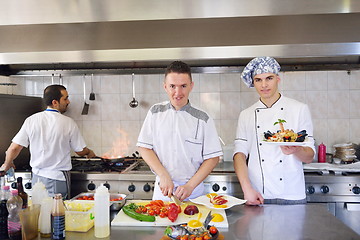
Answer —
345 152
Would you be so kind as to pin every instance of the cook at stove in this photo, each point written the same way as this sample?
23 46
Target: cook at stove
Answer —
51 137
178 141
273 174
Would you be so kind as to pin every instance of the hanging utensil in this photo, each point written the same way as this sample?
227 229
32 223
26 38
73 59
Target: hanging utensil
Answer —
134 103
92 94
85 109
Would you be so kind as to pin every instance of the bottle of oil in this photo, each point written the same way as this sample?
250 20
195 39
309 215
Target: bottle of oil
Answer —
58 218
22 193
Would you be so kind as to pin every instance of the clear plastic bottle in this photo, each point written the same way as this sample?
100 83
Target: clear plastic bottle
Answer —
3 220
38 193
45 217
5 193
58 218
102 212
14 205
22 193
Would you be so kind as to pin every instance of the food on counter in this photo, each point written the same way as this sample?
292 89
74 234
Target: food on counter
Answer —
153 209
91 197
217 217
191 210
284 135
130 210
218 200
185 232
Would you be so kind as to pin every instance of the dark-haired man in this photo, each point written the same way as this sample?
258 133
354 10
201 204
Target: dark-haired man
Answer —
267 173
51 137
178 141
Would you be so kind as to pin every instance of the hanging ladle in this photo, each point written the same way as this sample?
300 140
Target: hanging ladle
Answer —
134 103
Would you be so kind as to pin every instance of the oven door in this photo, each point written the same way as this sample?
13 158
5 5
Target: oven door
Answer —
349 213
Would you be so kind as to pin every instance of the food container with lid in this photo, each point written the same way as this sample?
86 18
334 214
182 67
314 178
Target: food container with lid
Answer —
79 216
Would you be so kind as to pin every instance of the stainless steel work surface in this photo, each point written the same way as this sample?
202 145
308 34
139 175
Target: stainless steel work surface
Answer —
310 221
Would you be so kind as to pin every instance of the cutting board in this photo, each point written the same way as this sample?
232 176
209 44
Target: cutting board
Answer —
121 219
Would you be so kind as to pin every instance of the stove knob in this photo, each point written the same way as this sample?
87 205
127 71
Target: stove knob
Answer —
324 189
27 185
147 187
91 186
14 185
310 190
131 188
356 190
107 185
216 187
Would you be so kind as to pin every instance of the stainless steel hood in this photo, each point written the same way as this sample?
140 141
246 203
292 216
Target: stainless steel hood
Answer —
76 35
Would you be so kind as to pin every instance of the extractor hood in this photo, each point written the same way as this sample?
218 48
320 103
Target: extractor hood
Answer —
104 35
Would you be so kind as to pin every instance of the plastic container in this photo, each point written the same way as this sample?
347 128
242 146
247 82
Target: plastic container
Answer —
29 218
79 216
45 217
5 193
322 153
3 220
58 218
102 212
38 193
14 205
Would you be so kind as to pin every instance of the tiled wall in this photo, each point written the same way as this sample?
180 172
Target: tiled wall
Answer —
333 98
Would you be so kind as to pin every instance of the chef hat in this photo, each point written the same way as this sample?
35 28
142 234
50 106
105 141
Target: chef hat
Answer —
259 65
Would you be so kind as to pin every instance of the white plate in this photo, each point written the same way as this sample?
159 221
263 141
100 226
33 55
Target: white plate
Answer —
204 200
286 143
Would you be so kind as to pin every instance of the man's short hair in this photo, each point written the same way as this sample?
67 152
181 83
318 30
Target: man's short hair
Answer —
53 92
178 67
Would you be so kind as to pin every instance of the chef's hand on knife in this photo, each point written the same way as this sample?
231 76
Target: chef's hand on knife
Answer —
182 192
166 185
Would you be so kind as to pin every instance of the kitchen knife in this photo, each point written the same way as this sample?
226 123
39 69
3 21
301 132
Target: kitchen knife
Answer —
176 200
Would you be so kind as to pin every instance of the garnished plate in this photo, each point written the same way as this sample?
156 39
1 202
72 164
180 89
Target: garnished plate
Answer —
286 143
231 201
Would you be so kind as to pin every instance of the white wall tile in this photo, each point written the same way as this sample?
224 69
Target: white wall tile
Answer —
293 81
230 82
338 80
317 102
355 131
110 84
247 99
92 133
316 80
150 83
111 107
355 79
230 105
209 82
320 131
228 131
338 104
338 131
210 103
196 80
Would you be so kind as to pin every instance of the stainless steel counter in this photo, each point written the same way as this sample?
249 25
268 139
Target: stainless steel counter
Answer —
310 221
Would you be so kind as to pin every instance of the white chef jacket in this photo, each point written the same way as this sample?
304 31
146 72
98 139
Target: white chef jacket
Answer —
51 137
181 139
272 173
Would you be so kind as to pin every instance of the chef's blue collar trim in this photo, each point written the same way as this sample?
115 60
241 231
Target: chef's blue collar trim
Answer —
51 110
273 103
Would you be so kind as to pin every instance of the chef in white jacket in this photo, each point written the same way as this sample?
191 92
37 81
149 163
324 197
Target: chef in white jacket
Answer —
178 141
269 173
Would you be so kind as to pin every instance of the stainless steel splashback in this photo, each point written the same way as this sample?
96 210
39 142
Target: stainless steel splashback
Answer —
14 110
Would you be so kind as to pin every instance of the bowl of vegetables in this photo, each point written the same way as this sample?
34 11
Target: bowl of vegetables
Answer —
117 200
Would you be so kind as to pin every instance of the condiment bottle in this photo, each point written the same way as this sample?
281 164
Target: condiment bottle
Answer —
3 220
22 193
58 218
102 212
14 205
45 217
322 153
38 193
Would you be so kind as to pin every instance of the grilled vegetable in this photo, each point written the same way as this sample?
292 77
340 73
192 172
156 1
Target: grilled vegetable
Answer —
130 211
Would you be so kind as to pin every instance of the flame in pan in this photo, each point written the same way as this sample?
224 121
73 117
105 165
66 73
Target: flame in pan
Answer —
120 146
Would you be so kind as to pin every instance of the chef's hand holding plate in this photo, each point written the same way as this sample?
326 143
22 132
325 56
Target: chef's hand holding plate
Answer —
288 150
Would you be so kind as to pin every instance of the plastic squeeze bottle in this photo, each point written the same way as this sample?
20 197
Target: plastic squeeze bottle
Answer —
322 153
45 217
58 218
102 212
14 205
38 193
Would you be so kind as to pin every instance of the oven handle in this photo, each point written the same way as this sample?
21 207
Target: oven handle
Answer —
352 206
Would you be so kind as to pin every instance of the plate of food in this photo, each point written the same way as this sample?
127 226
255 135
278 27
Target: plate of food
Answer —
285 137
218 201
